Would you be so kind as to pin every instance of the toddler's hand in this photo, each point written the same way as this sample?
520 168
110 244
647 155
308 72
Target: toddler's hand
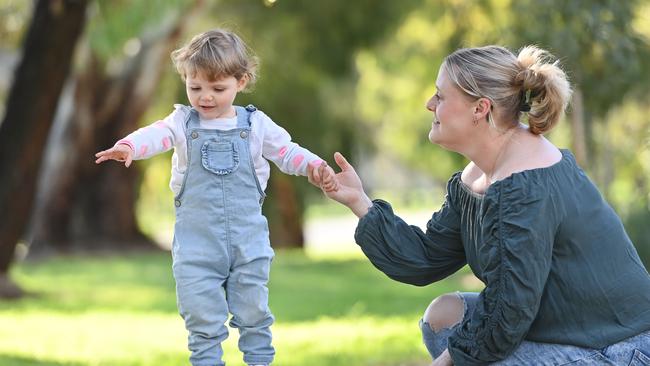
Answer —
312 172
329 183
344 187
119 152
322 176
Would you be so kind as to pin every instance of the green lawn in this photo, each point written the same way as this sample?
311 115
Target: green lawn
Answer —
120 310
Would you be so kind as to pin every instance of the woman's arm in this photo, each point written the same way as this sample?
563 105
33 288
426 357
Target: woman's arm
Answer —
403 252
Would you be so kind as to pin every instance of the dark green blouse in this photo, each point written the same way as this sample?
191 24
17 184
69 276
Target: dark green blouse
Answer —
556 262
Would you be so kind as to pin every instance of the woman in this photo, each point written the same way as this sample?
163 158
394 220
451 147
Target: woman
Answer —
563 282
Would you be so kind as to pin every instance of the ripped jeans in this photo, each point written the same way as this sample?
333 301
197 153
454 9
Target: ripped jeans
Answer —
634 351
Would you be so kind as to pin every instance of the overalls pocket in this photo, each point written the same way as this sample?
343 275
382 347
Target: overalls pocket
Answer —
221 158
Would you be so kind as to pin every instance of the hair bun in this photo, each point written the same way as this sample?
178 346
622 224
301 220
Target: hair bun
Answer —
545 88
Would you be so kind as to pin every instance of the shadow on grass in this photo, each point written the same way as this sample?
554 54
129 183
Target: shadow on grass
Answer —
110 282
23 361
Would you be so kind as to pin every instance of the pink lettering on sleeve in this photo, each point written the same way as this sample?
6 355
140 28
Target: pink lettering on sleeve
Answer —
143 150
283 151
297 160
166 143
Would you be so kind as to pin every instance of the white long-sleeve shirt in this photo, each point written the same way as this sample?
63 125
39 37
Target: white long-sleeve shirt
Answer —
268 141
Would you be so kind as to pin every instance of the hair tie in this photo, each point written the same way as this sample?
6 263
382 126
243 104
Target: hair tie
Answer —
525 105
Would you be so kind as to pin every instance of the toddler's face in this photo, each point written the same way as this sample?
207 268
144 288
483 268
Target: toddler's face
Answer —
213 99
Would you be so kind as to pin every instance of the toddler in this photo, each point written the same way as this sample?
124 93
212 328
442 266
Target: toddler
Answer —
221 251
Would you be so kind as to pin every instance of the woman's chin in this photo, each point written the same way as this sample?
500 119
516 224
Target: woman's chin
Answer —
433 137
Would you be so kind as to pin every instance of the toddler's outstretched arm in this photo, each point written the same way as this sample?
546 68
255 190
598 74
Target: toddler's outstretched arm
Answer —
119 152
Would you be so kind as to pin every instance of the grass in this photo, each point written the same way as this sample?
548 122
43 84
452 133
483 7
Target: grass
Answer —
120 310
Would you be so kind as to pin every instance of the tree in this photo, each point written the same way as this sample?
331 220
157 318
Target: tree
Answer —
30 108
88 206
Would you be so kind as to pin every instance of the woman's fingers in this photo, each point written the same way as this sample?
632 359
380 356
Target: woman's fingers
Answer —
342 162
333 187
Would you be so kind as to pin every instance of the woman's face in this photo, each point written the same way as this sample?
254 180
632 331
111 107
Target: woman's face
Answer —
453 123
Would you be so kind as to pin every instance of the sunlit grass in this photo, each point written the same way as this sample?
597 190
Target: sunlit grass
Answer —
120 310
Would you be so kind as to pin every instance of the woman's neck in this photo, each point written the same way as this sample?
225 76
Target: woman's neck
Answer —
491 155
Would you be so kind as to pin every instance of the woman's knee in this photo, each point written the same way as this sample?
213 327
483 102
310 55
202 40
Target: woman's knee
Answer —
445 311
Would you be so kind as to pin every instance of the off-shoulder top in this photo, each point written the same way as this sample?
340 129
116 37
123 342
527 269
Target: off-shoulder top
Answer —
556 262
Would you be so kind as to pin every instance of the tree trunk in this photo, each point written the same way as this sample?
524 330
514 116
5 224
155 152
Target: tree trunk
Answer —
284 213
606 161
578 129
31 104
86 206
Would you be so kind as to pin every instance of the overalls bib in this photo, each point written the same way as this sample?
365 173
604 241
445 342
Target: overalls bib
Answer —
221 251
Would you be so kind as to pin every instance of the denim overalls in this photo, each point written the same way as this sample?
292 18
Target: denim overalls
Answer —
221 251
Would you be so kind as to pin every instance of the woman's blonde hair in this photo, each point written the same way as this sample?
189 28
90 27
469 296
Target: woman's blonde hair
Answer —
530 82
215 54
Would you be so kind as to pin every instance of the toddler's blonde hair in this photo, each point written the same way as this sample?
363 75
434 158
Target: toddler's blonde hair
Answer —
215 54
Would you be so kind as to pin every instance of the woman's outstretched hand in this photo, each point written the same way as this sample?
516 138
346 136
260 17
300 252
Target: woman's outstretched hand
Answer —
344 187
119 152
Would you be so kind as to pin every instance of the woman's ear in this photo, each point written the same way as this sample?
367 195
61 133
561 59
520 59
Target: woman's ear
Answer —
482 108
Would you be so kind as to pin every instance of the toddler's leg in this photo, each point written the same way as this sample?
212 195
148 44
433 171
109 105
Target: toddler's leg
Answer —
202 304
247 295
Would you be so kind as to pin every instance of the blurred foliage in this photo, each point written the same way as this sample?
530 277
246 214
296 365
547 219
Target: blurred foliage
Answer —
625 136
14 16
395 81
115 25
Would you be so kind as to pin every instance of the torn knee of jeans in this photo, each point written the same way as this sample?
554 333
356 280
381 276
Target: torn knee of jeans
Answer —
438 329
441 327
445 312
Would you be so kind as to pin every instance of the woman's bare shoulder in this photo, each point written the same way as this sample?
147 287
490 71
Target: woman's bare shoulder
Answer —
471 173
538 152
